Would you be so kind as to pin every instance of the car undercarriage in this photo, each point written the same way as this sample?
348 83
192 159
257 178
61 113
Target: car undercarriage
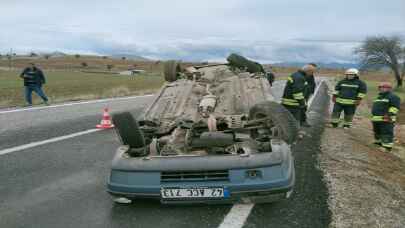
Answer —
211 129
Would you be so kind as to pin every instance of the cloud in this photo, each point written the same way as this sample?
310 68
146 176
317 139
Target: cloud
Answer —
270 31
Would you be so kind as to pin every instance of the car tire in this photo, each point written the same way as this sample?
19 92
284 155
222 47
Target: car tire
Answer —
128 130
171 68
279 116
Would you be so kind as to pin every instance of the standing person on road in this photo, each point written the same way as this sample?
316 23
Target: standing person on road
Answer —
309 91
270 76
385 109
310 79
347 96
293 97
33 80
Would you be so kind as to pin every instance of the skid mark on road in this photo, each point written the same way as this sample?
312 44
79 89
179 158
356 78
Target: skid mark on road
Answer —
51 140
71 104
237 216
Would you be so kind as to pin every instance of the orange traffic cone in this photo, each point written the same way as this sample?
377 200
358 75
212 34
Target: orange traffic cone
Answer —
106 121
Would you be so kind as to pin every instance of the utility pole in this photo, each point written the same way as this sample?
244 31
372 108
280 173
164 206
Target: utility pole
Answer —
10 55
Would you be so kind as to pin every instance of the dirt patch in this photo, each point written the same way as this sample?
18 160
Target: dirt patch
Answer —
366 185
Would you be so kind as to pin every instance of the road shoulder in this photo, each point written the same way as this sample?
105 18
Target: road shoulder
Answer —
366 186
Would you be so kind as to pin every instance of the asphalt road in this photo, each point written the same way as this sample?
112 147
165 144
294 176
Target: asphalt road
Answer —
62 184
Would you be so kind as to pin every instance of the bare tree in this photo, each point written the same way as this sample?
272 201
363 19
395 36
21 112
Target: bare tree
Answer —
110 66
380 51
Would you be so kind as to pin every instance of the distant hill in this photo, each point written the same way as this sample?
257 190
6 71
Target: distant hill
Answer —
332 65
130 57
57 54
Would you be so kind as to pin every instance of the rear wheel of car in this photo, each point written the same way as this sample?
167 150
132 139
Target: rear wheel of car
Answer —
280 118
171 68
128 130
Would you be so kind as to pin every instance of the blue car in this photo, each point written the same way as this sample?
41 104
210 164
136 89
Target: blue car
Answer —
211 135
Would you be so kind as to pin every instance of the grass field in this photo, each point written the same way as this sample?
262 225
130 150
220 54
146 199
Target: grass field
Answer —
66 82
67 86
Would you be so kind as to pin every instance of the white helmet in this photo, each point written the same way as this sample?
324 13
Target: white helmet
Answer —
352 71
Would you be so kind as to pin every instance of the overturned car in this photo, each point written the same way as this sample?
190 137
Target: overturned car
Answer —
213 134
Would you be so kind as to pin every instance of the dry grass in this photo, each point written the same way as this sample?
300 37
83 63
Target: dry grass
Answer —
70 63
66 86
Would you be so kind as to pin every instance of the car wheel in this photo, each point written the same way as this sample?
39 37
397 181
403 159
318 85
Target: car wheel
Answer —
280 118
171 69
128 130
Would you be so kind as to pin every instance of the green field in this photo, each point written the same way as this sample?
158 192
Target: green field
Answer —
68 86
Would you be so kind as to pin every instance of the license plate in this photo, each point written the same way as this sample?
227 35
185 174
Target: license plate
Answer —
200 192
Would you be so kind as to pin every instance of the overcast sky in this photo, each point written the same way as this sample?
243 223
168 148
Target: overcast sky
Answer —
268 31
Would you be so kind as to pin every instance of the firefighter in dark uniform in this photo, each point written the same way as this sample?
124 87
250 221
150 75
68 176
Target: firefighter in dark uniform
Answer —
347 96
309 91
293 97
270 77
384 113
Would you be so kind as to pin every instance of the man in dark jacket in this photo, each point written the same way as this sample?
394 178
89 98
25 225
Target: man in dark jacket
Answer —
293 97
270 76
309 91
347 96
384 114
310 79
33 81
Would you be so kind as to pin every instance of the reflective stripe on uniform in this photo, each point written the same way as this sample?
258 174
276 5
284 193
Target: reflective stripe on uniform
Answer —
290 79
393 110
345 101
381 118
298 96
290 102
381 100
387 145
336 93
347 123
377 118
335 121
348 85
361 95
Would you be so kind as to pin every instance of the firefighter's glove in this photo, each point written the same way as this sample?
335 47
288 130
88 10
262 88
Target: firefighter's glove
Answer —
387 118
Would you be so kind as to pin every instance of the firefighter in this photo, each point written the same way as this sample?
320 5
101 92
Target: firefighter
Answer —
384 113
347 96
309 91
293 97
270 76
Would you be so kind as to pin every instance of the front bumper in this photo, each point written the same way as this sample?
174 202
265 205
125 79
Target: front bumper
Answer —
275 183
256 194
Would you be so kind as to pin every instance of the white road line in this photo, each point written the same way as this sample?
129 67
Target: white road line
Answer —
51 140
74 103
237 216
